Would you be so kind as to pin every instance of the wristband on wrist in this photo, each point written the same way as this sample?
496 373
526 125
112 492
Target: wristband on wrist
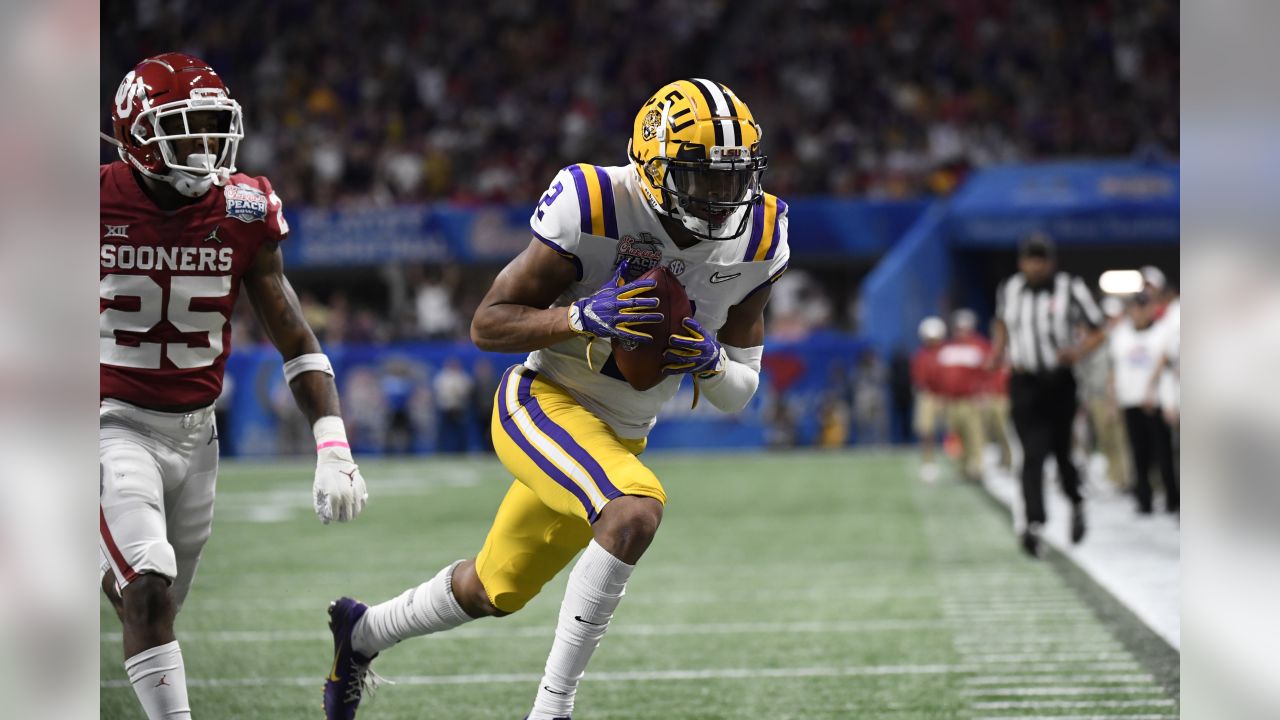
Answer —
330 433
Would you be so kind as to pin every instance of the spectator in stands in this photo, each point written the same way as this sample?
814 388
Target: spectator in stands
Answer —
1093 374
834 421
928 406
452 388
400 379
437 319
1135 352
961 372
779 418
871 399
364 409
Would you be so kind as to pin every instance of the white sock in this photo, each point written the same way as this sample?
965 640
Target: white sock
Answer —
428 608
159 680
596 585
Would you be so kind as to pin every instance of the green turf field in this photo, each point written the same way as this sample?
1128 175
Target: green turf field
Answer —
780 586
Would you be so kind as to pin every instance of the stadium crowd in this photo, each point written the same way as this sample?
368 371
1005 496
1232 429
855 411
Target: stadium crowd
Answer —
484 103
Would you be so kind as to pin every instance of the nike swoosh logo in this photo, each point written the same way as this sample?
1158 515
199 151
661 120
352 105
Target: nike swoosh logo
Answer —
553 692
718 278
588 622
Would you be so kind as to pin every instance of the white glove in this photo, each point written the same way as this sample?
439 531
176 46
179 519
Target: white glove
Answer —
339 491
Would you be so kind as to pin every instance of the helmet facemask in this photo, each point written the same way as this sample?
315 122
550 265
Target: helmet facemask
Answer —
212 158
712 199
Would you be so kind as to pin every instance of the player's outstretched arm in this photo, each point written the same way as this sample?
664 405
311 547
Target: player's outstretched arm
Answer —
515 316
339 491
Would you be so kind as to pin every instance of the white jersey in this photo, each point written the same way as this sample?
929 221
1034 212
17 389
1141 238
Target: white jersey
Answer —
1134 354
598 216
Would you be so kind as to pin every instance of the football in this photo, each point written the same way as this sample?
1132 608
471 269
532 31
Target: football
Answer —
641 365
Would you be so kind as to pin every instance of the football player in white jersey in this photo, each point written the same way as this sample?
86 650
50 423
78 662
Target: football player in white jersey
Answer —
567 426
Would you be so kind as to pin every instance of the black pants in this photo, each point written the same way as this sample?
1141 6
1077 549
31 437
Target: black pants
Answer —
1043 407
1151 442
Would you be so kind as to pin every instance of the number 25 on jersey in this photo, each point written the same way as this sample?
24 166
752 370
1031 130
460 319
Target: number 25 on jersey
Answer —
151 311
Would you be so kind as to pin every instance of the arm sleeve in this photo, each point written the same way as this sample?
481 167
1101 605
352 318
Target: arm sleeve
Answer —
1083 299
556 221
732 389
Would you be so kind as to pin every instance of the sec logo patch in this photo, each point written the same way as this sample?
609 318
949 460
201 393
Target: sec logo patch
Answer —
676 266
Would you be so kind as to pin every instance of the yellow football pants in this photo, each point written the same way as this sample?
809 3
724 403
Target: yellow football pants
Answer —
567 465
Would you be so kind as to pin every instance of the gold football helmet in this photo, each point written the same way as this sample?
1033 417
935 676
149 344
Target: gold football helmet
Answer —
697 149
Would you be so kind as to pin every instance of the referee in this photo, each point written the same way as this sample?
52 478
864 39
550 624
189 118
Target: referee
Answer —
1037 312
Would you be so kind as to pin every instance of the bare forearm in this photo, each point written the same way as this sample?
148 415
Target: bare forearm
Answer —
509 327
316 394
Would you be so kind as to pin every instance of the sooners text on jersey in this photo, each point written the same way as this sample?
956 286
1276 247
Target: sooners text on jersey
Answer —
168 283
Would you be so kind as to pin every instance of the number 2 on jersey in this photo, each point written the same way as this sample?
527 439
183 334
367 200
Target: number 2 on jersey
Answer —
151 311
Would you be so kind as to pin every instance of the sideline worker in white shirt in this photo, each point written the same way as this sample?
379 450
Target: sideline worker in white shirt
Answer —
1136 348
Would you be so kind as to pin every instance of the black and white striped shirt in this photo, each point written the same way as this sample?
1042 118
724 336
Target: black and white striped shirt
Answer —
1040 320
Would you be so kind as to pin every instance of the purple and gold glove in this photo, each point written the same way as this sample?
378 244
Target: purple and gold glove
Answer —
695 352
615 309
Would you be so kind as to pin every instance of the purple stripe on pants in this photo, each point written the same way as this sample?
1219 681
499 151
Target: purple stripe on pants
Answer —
563 438
513 431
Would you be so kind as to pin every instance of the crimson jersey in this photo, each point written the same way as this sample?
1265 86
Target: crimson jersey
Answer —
168 283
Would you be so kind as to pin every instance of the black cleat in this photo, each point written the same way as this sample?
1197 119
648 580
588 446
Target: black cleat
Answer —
1077 523
1031 540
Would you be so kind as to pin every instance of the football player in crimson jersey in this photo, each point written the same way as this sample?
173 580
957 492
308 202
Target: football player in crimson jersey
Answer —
182 233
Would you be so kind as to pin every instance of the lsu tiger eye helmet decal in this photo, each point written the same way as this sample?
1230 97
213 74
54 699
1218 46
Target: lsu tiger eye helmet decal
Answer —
696 147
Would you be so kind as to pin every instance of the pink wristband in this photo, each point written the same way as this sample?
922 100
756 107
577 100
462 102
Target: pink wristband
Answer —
332 443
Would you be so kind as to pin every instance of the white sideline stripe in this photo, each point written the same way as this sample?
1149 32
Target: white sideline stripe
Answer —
198 605
1051 657
1100 679
982 641
1093 645
250 636
1127 666
1060 690
596 677
1034 704
1078 717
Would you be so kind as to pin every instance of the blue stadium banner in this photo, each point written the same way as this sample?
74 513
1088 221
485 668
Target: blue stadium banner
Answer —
1075 202
820 228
